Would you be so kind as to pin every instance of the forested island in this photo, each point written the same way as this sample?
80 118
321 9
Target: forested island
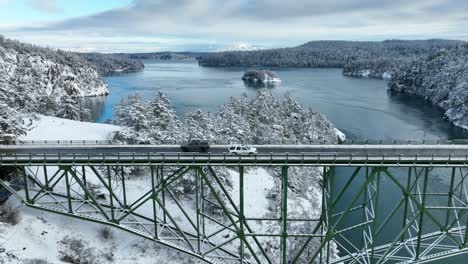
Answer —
260 77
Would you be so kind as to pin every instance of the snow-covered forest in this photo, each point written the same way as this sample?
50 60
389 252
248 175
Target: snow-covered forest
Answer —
107 64
165 55
43 80
260 120
441 78
357 57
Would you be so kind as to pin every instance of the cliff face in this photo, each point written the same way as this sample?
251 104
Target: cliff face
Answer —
42 80
37 74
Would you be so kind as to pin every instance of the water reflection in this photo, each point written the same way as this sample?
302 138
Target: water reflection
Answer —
431 117
259 85
96 105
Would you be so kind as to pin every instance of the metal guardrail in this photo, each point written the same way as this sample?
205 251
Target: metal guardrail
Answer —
64 142
176 142
227 159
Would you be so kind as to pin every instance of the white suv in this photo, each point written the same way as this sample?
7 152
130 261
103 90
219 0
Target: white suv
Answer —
242 150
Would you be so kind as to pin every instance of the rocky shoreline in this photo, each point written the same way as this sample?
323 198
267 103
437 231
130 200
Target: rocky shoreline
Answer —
442 79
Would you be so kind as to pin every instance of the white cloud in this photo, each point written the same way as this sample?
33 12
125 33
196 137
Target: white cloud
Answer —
194 23
47 6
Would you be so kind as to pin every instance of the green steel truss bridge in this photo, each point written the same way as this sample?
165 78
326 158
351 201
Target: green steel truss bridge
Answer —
398 203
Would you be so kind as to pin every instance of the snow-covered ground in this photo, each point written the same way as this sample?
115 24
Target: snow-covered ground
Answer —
53 128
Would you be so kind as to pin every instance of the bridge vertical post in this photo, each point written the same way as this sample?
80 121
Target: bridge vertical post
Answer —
330 185
364 211
406 194
450 197
124 191
67 184
202 202
162 181
422 213
465 240
111 196
284 213
367 214
325 211
46 177
83 172
198 197
26 183
376 211
155 213
241 212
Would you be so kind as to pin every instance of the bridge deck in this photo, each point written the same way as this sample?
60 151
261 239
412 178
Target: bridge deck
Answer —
310 155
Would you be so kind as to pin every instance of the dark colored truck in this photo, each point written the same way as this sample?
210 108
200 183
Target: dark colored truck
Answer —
196 145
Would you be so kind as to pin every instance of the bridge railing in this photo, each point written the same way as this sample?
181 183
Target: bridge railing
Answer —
63 142
225 158
294 142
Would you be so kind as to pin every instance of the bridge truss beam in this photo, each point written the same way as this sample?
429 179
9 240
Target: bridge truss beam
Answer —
369 214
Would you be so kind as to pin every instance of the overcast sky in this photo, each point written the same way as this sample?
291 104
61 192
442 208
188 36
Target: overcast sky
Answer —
208 25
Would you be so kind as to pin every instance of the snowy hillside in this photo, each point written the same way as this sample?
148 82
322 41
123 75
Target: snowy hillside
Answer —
47 72
441 78
53 128
42 80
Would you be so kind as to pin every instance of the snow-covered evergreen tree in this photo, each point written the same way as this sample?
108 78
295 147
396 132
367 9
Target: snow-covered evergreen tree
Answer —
42 80
69 109
260 120
441 78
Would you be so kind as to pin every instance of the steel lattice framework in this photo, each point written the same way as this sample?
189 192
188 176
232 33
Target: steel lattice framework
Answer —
373 210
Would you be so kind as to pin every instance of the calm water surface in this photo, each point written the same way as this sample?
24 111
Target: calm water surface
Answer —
362 108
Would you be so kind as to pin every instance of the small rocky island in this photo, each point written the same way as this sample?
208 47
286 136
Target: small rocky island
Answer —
260 77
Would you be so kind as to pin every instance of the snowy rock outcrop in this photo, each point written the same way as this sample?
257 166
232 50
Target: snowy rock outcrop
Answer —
441 78
43 80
